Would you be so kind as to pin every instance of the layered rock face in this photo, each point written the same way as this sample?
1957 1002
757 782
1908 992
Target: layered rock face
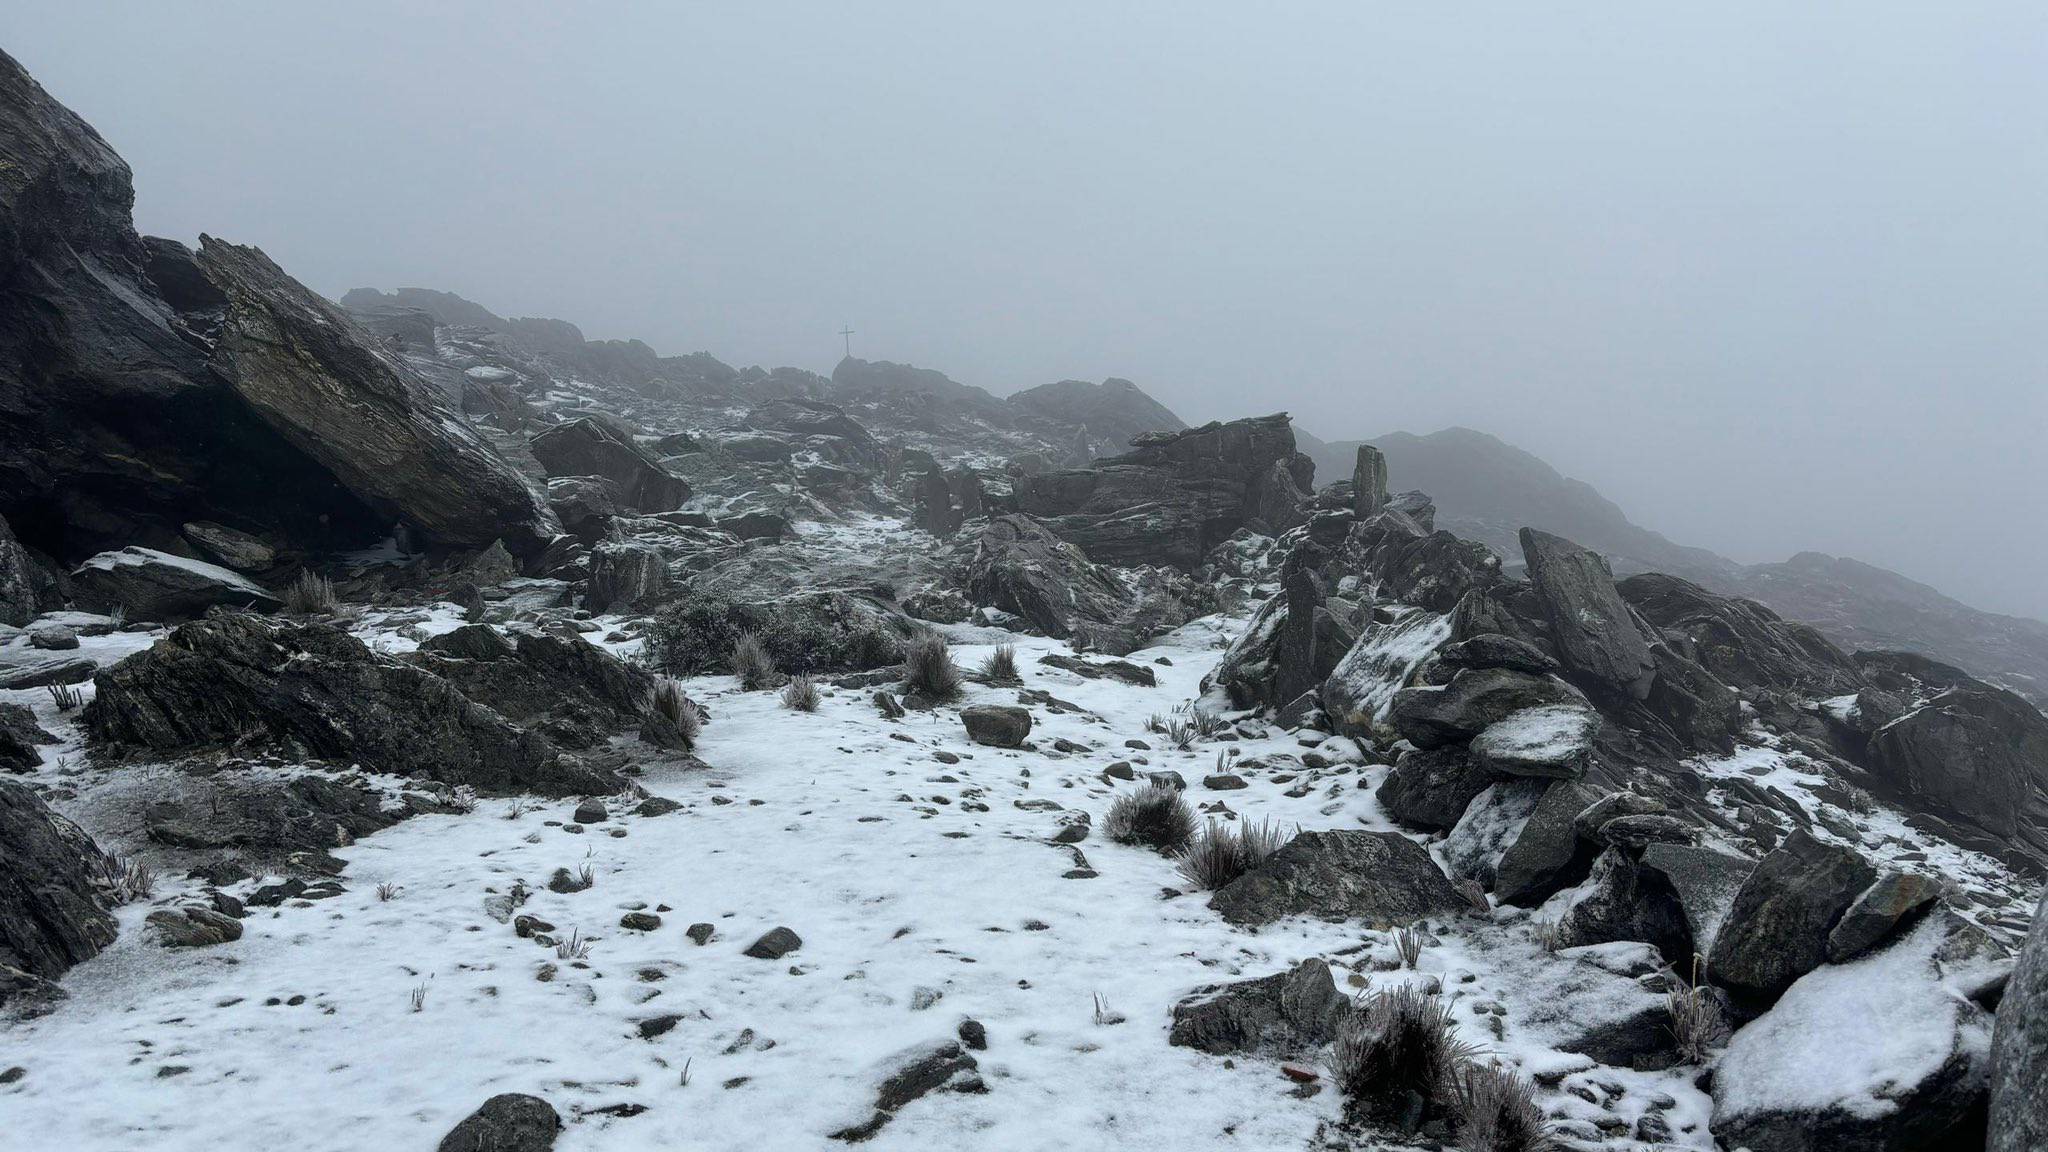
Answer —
1176 495
52 914
588 448
141 389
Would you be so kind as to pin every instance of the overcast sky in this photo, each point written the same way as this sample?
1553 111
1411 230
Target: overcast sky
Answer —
1771 276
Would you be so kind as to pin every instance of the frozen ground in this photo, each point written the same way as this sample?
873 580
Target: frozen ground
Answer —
905 876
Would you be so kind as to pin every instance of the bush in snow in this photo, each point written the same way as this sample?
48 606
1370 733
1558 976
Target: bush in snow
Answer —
811 632
800 694
1398 1048
65 697
751 662
679 710
1001 665
1697 1025
1155 816
1495 1111
311 595
929 671
1223 852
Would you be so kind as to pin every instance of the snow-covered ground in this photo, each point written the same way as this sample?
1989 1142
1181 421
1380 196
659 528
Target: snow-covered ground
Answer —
904 875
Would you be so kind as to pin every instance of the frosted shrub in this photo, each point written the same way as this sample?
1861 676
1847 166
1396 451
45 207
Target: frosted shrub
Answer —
751 663
1399 1047
929 671
311 595
800 694
1001 665
678 709
1223 852
1155 816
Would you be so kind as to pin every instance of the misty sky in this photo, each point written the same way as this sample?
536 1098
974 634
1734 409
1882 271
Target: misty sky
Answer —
1771 276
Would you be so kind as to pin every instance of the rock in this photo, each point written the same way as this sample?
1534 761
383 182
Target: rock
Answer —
511 1122
1413 565
756 526
241 680
1595 632
51 911
52 638
1474 849
1777 929
237 550
191 927
1705 882
1975 753
1177 494
1493 650
1474 700
1642 830
1224 782
20 737
1369 483
699 934
777 943
1620 803
267 817
591 811
1554 741
1360 690
1432 788
153 585
577 692
2019 1050
1700 710
974 1035
586 505
1547 853
1622 901
587 447
1740 641
21 583
1377 877
1018 565
1136 675
997 725
1288 1013
935 511
314 375
943 1066
1887 1053
1878 910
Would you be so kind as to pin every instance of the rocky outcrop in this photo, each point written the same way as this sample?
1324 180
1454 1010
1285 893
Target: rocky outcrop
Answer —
51 910
21 585
1591 625
152 585
1412 565
1115 411
1777 930
583 692
1432 788
588 447
1474 700
20 739
1176 495
1287 1014
242 681
1368 483
1018 565
1974 753
1740 641
2019 1050
1377 877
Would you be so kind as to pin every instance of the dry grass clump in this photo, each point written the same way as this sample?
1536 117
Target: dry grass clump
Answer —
1697 1025
928 669
672 704
800 694
125 880
751 663
1001 665
1223 852
1155 816
1399 1063
1496 1111
65 697
311 595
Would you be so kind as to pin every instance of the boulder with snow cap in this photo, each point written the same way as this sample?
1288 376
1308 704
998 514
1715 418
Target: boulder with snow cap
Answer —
1375 877
152 585
1595 632
1474 700
1554 740
1777 929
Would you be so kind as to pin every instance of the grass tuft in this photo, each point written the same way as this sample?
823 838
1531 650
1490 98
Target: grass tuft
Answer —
928 669
1156 816
800 694
751 663
1001 665
1398 1056
1223 852
311 595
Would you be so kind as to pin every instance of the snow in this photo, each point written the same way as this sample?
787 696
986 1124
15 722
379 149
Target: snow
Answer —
1842 709
1856 1036
1384 659
1550 733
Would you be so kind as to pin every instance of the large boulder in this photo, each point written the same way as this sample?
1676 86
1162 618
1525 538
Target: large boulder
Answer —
1595 633
152 585
1368 482
1410 564
238 681
384 433
1889 1053
1777 928
1018 565
1430 716
1176 494
996 725
582 692
627 576
1431 788
1621 900
1376 877
1551 740
1362 688
21 739
1740 641
21 597
2019 1050
52 913
1976 753
1287 1014
588 447
511 1122
1706 883
267 817
1547 853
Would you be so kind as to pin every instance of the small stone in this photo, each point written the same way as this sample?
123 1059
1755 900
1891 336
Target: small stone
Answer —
658 1025
972 1034
1224 782
591 811
699 934
640 921
776 944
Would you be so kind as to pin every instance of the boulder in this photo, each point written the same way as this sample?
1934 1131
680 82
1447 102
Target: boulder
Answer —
1474 700
1018 565
45 673
1974 752
242 680
1494 650
20 584
1491 824
52 913
268 818
997 725
1698 709
1621 900
1777 929
1888 1053
1740 641
1547 853
190 926
511 1122
1878 910
532 675
1705 882
1368 483
20 739
237 550
587 447
775 944
1387 655
1553 740
627 576
1410 564
1287 1014
1595 633
1431 788
584 504
2019 1050
943 1066
153 585
1375 877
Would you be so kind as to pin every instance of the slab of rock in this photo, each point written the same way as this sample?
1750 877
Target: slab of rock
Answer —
153 585
237 550
52 914
1494 650
44 673
588 447
1973 752
1591 624
997 725
1554 740
1474 700
193 927
1136 675
775 944
20 739
1777 929
1705 881
1020 566
1491 824
1368 482
1621 900
945 1066
21 584
1287 1013
1375 877
1431 788
1547 854
267 817
512 1122
2019 1050
1878 910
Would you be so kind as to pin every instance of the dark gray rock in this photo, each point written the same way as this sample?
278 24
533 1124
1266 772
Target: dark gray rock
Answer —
997 725
575 691
588 447
193 927
237 550
1595 633
52 914
1622 901
1645 829
1705 881
48 637
627 576
1554 741
1412 565
1548 854
20 737
945 1066
1288 1013
512 1122
266 817
1975 753
2019 1050
242 681
1494 650
1476 698
20 583
153 585
1375 877
1740 641
1430 788
1368 483
1878 910
775 944
1777 929
1020 566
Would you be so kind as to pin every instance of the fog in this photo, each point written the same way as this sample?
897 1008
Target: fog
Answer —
1772 277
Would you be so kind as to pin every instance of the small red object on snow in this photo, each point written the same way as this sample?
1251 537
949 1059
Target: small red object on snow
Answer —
1299 1074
